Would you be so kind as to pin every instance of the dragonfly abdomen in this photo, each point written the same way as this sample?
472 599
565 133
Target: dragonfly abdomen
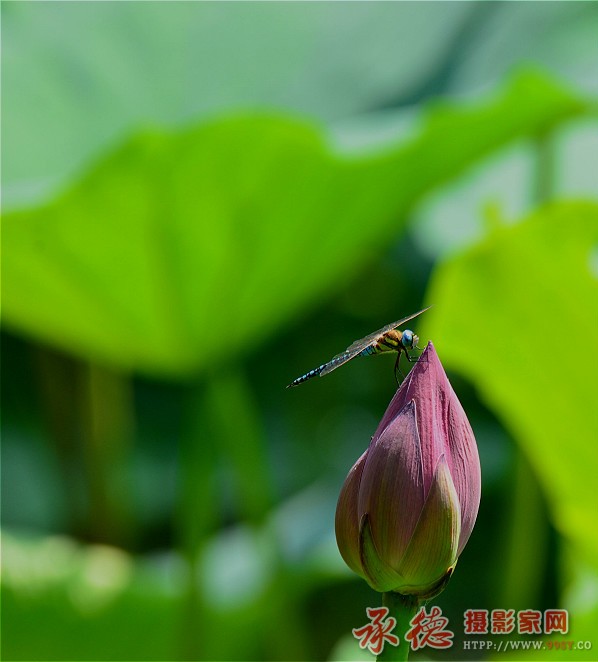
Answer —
370 349
308 375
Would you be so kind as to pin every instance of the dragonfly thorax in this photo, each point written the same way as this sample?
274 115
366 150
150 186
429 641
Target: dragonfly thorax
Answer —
390 341
393 341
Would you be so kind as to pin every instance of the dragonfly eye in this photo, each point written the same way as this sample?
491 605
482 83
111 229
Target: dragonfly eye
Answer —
407 338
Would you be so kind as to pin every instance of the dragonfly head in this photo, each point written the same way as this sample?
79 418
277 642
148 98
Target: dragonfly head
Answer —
409 339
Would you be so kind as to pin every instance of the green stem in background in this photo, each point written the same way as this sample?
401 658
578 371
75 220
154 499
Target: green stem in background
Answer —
524 554
88 413
525 551
240 435
106 420
57 390
198 512
242 452
403 608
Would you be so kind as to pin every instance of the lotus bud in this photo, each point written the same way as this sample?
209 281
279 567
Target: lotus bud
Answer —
408 505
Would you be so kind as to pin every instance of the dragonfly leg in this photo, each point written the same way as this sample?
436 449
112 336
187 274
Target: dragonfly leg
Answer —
419 358
398 368
411 359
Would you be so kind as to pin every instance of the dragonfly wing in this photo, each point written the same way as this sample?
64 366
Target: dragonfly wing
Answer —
339 360
361 344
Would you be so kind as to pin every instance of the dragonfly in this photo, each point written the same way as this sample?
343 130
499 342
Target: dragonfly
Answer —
386 339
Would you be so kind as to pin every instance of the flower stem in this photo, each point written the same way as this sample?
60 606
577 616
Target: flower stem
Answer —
403 608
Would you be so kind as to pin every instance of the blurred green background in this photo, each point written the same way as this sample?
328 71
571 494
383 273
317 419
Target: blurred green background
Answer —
202 201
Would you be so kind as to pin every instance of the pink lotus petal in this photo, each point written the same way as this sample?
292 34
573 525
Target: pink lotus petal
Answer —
346 522
377 572
433 548
392 489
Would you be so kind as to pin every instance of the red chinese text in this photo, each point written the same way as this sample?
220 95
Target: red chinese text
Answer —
373 635
476 621
429 630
